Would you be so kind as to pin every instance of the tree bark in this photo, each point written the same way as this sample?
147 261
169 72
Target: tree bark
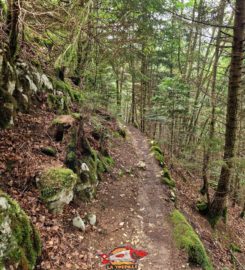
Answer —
208 151
219 202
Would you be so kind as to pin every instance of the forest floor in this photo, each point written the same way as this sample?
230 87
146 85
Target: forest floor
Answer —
131 206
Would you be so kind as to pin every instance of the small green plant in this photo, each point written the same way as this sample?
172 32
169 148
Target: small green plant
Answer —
187 239
235 248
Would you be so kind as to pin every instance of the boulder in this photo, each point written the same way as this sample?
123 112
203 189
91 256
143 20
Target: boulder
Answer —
20 244
56 188
59 125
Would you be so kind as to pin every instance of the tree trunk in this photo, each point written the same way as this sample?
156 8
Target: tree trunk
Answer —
7 102
219 202
208 151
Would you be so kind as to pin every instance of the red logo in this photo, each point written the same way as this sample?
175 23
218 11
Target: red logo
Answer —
123 257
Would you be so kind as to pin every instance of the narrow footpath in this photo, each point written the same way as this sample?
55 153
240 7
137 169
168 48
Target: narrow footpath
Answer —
134 208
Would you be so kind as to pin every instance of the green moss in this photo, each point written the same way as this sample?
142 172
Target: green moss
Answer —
202 207
168 182
49 151
156 148
167 179
71 160
166 173
4 7
24 244
158 154
187 239
67 89
105 163
59 103
76 116
54 180
7 108
235 248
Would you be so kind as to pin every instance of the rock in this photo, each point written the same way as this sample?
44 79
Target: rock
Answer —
11 87
92 219
46 83
84 167
20 244
79 223
49 151
59 125
32 85
56 187
172 196
141 165
64 120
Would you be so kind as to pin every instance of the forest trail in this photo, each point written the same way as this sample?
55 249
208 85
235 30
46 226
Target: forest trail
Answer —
140 215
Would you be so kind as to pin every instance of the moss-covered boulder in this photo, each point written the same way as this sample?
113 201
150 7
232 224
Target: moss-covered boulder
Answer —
187 239
20 244
90 170
60 125
89 177
158 154
56 187
167 179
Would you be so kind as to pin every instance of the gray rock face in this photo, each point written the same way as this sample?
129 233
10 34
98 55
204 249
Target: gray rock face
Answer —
25 81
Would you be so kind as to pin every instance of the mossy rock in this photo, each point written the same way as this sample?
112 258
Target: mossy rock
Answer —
61 104
158 154
105 164
71 161
95 164
49 151
168 182
7 109
187 239
202 207
167 179
56 187
85 192
69 91
64 120
59 125
156 148
20 244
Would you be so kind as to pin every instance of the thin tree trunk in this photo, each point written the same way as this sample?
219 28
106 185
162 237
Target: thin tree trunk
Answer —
207 152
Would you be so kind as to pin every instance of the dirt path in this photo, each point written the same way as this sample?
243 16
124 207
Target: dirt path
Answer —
154 230
135 209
